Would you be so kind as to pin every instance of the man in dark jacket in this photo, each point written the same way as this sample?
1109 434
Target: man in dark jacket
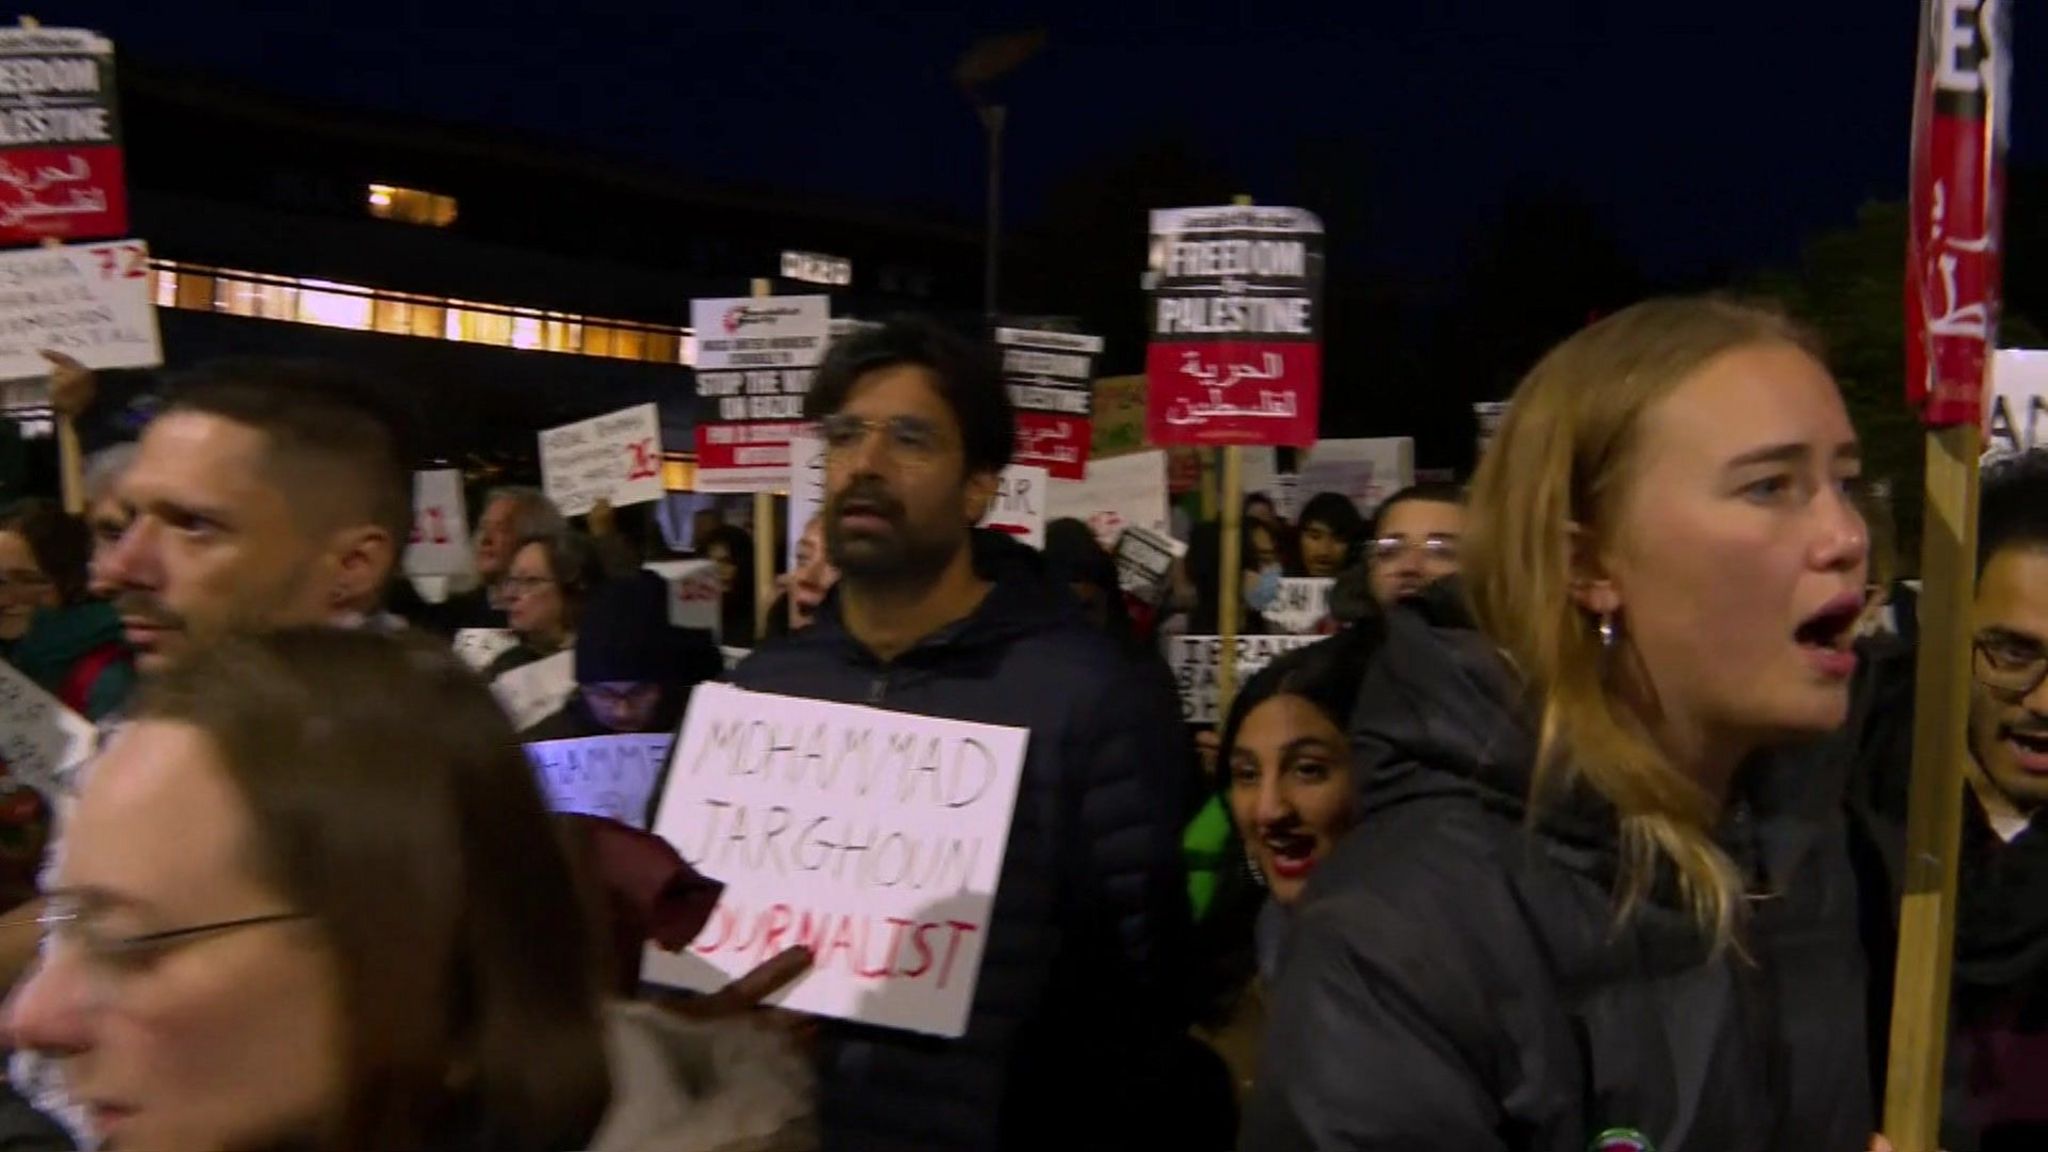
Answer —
1996 1093
1079 994
1456 979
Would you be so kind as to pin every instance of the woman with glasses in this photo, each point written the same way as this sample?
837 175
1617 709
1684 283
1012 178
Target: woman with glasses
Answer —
544 589
310 899
1599 894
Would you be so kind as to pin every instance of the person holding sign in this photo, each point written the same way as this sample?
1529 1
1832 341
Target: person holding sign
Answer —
634 670
544 590
1600 893
1079 996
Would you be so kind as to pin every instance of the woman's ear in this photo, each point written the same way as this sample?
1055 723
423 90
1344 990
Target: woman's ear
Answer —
1593 587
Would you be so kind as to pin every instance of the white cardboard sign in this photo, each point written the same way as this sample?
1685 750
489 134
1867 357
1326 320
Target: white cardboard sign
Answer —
1367 471
1117 493
806 484
609 776
89 301
875 838
41 741
693 595
440 526
2016 419
477 647
1303 606
615 457
1019 507
1144 560
533 693
1197 661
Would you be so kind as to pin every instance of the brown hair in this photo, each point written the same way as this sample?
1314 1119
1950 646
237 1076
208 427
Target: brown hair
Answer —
393 805
60 542
1564 459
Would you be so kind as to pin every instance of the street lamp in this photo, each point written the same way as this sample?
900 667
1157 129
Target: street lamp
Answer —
990 59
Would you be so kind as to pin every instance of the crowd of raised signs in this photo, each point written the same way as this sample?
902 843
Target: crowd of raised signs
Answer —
1556 811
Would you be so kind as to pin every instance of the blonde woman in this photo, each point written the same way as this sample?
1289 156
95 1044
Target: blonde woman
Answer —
1599 898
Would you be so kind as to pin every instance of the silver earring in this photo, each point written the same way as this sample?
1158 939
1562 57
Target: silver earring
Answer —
1607 630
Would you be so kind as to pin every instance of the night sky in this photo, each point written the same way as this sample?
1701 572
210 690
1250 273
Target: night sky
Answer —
1711 135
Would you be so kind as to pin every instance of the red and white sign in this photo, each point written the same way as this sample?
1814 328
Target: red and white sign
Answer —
1956 207
1236 352
693 593
1050 377
440 526
1019 507
755 356
60 137
616 458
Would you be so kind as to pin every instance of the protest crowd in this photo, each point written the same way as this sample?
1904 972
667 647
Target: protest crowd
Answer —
923 779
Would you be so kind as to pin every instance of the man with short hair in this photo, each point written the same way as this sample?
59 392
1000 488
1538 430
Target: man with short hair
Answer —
1996 1094
267 493
1079 994
1415 540
510 514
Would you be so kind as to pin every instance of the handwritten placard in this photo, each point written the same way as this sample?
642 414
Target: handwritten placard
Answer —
90 302
440 525
1197 660
1116 494
875 838
1144 559
609 776
693 595
41 741
1303 607
615 458
1366 471
532 693
2017 418
1019 507
478 647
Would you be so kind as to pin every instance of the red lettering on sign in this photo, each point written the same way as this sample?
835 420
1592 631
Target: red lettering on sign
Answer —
646 461
868 947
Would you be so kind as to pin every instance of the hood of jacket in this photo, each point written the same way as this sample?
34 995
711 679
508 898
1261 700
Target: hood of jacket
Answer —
726 1085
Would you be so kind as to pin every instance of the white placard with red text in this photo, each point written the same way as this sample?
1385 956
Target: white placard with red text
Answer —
1018 510
2016 415
693 595
875 838
1367 471
615 458
1117 492
440 526
91 302
754 361
41 741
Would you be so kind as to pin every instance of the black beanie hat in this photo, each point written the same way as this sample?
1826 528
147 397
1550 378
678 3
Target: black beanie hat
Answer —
625 634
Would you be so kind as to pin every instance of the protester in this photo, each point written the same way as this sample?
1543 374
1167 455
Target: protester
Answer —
104 512
634 670
51 628
544 592
1285 778
1599 895
360 930
510 515
731 552
1332 535
808 582
1078 995
1996 1090
1415 539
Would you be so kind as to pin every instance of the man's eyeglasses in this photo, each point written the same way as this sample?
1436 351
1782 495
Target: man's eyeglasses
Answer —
2010 665
911 439
1388 549
110 961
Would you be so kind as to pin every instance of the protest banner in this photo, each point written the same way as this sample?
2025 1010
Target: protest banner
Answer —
478 647
2017 418
806 484
440 526
1197 663
1366 471
693 593
1236 313
90 302
874 838
534 692
1018 510
755 356
41 741
616 458
61 169
1049 378
1303 608
1118 422
609 776
1144 560
1115 494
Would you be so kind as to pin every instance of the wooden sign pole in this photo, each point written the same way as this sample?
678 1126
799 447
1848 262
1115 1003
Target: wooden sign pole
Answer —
764 529
1231 579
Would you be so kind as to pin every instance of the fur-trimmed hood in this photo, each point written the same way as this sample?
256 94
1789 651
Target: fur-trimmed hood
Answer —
679 1085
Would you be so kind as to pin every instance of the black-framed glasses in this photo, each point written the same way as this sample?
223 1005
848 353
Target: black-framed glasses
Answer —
109 960
908 438
2008 664
522 585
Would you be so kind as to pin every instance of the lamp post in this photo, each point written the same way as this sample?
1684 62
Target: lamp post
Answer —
987 61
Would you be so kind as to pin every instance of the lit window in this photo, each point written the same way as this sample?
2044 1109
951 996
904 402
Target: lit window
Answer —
166 286
333 305
411 206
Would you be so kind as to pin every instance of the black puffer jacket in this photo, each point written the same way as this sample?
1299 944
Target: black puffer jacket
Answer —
1080 995
1455 980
